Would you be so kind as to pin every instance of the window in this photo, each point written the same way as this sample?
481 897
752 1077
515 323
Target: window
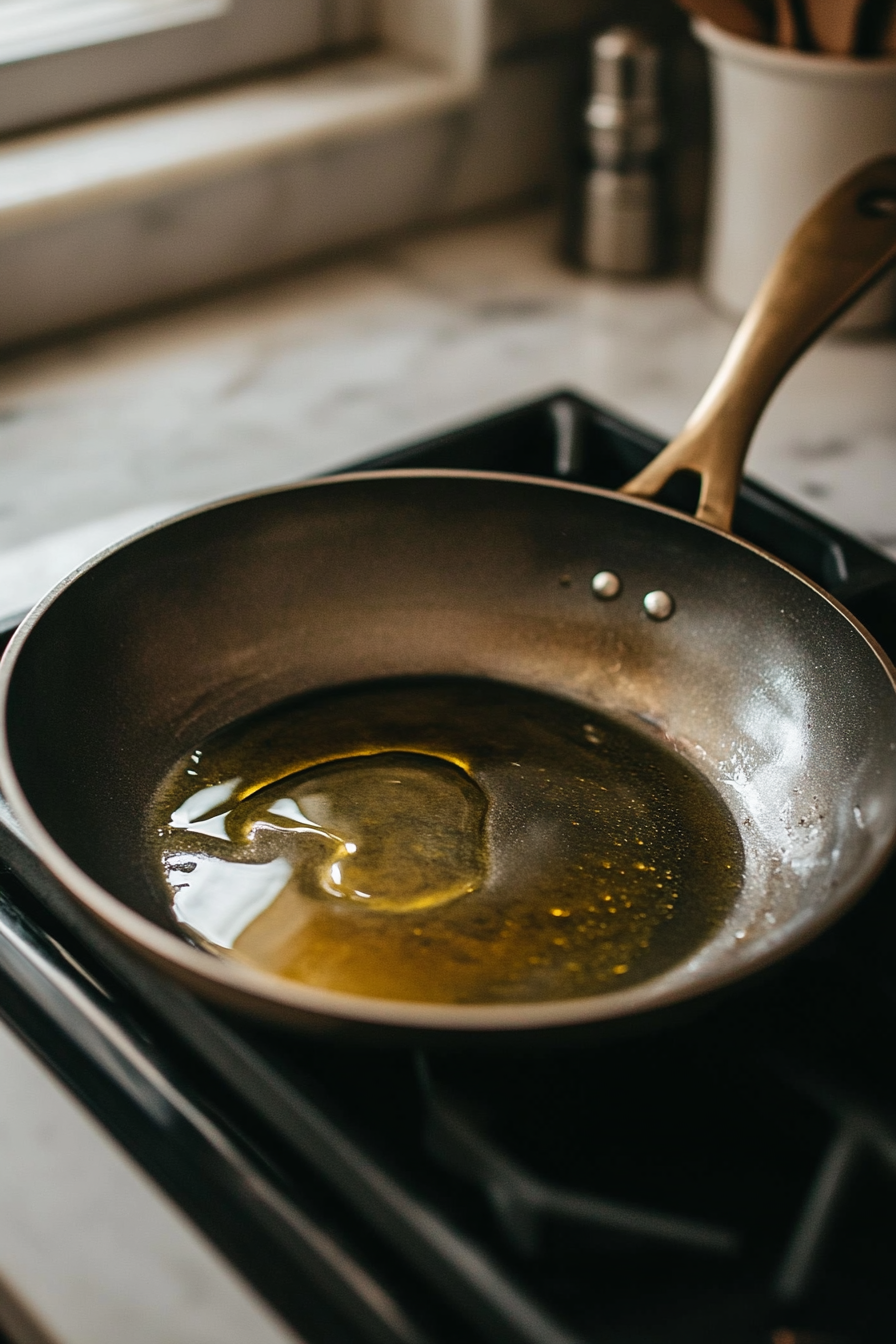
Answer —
31 28
180 183
59 58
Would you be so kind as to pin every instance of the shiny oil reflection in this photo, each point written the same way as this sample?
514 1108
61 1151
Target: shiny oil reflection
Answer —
445 841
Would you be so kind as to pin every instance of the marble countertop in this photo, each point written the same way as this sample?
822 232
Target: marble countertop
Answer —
105 432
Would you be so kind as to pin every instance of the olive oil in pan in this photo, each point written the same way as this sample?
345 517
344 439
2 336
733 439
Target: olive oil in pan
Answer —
445 841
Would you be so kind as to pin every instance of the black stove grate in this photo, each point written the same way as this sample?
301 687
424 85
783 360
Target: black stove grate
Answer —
731 1180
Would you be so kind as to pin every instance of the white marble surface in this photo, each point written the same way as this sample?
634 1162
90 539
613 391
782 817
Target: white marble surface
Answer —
105 432
280 380
90 1246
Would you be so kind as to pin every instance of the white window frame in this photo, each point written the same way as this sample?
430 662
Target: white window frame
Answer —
30 28
65 58
188 168
430 56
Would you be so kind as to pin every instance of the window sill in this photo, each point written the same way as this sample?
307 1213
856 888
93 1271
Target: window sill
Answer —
429 61
111 214
139 156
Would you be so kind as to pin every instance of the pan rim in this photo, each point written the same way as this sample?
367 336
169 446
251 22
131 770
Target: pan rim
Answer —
263 993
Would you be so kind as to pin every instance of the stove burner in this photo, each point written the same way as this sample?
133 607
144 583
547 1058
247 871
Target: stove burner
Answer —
860 1131
521 1201
675 1189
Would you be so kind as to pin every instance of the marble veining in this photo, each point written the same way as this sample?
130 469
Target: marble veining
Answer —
327 365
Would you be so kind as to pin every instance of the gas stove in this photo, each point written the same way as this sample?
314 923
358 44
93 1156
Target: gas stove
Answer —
730 1180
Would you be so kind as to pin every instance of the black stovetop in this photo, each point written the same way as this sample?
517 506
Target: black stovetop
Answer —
731 1180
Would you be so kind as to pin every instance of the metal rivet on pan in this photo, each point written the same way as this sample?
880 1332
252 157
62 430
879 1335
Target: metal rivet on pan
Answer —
878 203
659 605
606 585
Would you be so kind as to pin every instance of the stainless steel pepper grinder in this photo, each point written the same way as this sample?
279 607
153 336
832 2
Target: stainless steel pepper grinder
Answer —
620 233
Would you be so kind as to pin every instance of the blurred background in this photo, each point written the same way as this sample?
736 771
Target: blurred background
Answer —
154 147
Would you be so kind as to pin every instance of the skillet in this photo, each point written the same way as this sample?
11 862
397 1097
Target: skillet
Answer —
761 679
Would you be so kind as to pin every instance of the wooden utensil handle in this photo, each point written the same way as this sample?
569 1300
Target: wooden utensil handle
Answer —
834 26
735 16
841 246
785 25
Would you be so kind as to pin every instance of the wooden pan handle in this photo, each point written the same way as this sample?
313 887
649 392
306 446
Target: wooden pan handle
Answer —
838 250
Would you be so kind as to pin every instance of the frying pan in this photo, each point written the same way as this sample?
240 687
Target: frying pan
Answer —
734 659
